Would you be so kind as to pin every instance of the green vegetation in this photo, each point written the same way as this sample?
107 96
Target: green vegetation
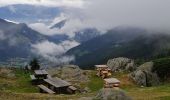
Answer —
19 87
35 64
162 68
19 83
23 83
95 83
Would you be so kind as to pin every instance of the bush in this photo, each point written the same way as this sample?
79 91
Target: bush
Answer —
162 68
34 64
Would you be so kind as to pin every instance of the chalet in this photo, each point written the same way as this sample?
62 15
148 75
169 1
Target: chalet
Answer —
103 71
111 83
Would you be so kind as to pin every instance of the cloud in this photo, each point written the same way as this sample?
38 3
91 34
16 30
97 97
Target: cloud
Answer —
105 15
152 14
54 52
72 25
49 3
44 29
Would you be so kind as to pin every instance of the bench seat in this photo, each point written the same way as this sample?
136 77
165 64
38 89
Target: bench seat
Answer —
45 89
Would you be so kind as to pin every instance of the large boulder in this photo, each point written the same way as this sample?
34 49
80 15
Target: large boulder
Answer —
121 64
7 73
144 76
111 94
70 73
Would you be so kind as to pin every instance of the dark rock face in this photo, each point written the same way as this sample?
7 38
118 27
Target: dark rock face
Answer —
121 64
144 76
111 94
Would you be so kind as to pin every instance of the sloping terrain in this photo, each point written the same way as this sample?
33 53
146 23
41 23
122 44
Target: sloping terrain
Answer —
131 42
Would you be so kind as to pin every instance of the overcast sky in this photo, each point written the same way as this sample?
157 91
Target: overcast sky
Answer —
54 3
106 14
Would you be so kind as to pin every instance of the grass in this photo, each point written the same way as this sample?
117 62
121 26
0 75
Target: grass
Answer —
96 83
20 84
20 88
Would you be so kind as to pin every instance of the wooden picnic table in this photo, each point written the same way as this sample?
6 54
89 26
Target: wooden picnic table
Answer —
60 86
57 82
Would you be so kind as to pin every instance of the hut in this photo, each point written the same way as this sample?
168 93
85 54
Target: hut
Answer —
111 83
103 71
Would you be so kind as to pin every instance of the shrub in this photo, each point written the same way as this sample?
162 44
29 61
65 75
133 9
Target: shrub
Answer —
162 68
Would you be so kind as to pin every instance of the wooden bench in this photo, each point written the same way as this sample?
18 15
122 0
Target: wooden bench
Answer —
45 89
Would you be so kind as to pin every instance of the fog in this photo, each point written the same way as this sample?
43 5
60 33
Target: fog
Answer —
150 14
54 52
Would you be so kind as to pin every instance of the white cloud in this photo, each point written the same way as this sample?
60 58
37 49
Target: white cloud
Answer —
50 3
104 15
72 25
44 29
54 52
152 14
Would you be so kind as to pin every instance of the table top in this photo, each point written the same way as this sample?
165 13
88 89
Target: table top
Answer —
41 72
57 82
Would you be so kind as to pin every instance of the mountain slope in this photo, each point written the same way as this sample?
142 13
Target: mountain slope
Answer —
131 42
16 39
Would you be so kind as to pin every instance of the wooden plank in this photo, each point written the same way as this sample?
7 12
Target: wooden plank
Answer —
112 80
44 88
101 66
32 77
41 72
57 82
72 88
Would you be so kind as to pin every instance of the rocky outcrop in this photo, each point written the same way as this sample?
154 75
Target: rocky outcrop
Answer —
70 73
121 64
111 94
144 76
6 73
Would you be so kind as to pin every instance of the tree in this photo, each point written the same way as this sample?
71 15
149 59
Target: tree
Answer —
34 64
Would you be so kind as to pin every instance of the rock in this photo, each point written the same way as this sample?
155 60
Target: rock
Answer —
121 64
87 89
70 73
144 76
111 94
85 98
6 73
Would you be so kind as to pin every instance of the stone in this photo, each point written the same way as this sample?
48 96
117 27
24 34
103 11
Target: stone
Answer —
121 64
111 94
69 73
144 76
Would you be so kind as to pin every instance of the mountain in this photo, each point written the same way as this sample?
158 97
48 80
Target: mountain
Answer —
16 39
86 34
59 25
127 42
29 13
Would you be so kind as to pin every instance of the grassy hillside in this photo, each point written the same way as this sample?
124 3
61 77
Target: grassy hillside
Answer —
18 87
130 43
